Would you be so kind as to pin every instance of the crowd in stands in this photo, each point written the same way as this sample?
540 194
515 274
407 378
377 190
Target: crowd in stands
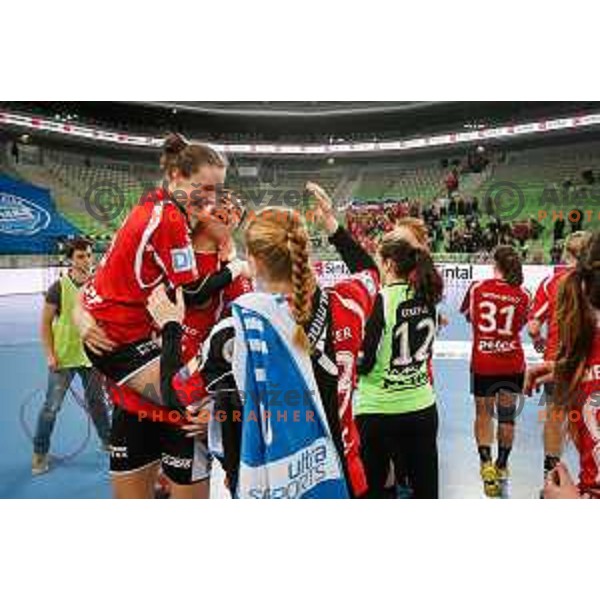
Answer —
454 226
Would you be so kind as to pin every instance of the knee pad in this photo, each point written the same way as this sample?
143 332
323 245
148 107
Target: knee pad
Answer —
507 415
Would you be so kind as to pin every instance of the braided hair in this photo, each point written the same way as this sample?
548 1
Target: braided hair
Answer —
279 239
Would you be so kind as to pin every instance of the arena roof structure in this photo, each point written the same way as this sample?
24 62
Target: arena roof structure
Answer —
245 130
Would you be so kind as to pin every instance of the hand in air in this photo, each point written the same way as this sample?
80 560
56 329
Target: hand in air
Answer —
324 212
164 311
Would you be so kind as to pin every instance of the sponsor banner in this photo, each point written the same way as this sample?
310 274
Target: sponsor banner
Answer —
444 139
29 222
456 276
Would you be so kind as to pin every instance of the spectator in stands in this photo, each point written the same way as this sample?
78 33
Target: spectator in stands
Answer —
559 230
452 182
14 150
452 207
576 218
443 204
66 357
556 252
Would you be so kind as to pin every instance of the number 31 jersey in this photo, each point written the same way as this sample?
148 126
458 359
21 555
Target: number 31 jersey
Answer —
498 312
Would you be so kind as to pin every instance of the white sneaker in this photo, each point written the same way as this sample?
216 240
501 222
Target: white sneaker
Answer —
40 464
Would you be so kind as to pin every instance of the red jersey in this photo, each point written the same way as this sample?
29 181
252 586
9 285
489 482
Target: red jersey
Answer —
152 247
200 320
498 312
351 305
588 423
196 327
190 391
544 311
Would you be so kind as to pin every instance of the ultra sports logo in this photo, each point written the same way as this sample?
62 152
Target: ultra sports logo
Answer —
297 475
19 216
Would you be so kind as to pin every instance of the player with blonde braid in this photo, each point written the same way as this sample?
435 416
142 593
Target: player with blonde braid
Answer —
330 325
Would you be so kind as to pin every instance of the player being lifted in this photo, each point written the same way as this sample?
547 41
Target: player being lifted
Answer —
497 309
153 247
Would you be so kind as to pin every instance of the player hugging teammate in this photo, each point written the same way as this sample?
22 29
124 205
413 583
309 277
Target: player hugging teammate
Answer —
177 237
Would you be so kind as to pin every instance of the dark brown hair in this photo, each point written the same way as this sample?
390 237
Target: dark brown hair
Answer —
578 298
416 265
77 244
187 158
509 263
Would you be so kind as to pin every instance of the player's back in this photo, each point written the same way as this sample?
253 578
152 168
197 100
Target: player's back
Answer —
498 312
588 421
544 309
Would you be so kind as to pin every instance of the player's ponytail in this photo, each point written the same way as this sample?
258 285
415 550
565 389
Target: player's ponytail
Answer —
416 266
509 263
428 283
578 299
186 159
278 240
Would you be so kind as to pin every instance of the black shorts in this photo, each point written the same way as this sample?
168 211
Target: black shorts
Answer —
488 386
138 443
122 364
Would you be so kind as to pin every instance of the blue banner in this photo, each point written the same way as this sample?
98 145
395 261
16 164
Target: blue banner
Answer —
29 221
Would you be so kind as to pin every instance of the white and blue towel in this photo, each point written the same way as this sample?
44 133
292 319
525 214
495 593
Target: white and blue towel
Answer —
287 451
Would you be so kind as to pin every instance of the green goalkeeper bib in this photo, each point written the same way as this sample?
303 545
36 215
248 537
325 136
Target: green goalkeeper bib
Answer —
400 381
68 346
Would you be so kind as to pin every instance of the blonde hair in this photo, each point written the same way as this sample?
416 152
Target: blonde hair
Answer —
577 243
417 228
279 239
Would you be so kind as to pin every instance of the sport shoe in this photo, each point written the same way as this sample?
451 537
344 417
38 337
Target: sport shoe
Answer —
40 464
502 474
489 476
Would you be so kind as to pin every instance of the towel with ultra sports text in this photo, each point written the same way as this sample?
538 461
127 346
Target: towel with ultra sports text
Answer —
287 451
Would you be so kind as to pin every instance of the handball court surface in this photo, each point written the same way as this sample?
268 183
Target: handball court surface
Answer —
80 468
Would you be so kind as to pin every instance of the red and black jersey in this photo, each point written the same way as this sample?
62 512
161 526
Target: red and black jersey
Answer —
498 312
351 302
152 247
587 417
199 320
544 310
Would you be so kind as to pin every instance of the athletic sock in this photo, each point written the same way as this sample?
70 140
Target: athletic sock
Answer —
550 463
503 456
485 454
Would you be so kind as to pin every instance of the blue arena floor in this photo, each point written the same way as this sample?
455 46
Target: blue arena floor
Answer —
80 469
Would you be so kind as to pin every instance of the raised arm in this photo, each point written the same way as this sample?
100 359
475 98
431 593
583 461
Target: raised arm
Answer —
355 257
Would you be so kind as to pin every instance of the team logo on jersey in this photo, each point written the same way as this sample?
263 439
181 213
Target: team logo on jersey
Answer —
19 216
367 280
183 259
